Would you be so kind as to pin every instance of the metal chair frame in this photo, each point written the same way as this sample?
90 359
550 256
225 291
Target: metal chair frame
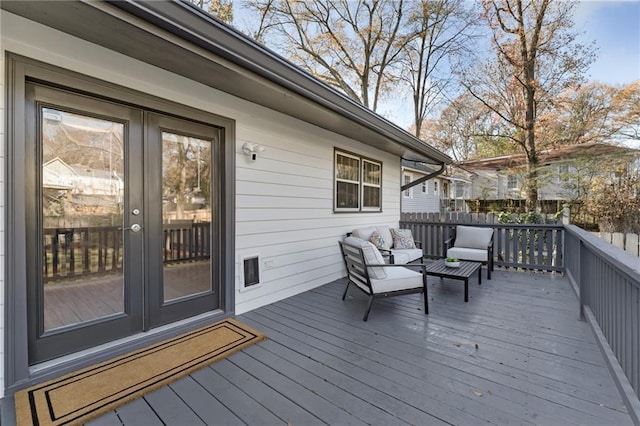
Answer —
358 274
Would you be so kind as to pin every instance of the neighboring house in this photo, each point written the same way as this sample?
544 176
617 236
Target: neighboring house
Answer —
82 179
437 195
564 172
171 113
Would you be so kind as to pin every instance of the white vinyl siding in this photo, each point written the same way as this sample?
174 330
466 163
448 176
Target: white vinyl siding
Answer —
284 199
421 202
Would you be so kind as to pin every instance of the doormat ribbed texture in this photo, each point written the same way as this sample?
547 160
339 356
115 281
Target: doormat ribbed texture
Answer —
82 395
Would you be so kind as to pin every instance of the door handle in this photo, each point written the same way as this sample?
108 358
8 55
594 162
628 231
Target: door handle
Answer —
133 228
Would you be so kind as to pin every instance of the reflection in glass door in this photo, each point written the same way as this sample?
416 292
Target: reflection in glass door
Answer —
186 215
181 223
85 286
121 222
82 217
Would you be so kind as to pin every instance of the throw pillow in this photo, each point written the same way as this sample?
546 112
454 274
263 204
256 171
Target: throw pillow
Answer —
402 239
385 233
377 240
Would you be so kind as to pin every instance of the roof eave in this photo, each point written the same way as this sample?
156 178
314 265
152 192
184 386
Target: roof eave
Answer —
185 40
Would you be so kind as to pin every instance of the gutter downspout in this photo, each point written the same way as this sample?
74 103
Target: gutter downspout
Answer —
424 178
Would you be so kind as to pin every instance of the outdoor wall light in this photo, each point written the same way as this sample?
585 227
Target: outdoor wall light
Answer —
252 150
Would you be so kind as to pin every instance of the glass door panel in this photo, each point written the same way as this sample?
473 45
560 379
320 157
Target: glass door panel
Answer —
181 224
82 216
186 215
85 286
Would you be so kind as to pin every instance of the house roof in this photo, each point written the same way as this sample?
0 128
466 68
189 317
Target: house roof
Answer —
185 40
547 156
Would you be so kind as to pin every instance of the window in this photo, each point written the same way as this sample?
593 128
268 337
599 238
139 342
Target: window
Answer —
563 171
435 187
459 188
512 182
425 187
407 180
358 184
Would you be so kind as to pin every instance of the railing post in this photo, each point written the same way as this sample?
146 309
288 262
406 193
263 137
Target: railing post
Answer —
581 271
566 214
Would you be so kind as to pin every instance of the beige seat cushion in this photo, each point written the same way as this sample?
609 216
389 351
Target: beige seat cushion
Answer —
364 233
404 256
473 237
477 255
397 279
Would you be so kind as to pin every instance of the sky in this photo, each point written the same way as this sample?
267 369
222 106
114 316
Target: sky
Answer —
615 27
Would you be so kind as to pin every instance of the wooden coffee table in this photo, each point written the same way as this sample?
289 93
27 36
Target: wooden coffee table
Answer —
463 272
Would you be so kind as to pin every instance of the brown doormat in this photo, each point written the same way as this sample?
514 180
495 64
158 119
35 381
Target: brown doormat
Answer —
90 392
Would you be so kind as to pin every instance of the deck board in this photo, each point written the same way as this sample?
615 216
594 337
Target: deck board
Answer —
203 404
535 362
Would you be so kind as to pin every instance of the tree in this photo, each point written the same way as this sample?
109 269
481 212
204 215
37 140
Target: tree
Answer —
615 199
456 131
349 45
536 57
593 112
441 30
466 129
627 119
221 9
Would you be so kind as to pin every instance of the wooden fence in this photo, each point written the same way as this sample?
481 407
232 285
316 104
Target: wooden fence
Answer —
627 242
72 252
526 246
455 217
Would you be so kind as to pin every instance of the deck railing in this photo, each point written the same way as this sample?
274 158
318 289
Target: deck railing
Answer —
71 252
526 246
605 278
608 283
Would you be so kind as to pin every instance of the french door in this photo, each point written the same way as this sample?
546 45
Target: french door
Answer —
121 226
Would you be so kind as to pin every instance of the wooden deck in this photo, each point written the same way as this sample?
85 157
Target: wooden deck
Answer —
515 354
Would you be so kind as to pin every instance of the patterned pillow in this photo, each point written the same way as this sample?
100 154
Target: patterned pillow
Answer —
402 239
377 240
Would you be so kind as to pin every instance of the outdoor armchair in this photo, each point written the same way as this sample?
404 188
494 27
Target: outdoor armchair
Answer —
368 272
473 243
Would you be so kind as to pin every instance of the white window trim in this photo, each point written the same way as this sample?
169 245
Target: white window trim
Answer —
406 179
370 185
425 187
455 190
360 182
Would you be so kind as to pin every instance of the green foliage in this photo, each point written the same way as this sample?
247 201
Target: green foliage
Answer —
615 200
528 217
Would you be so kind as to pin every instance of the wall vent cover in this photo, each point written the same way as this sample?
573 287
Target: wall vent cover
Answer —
251 270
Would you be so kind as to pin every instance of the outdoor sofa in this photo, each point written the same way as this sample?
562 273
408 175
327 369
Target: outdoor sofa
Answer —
396 245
